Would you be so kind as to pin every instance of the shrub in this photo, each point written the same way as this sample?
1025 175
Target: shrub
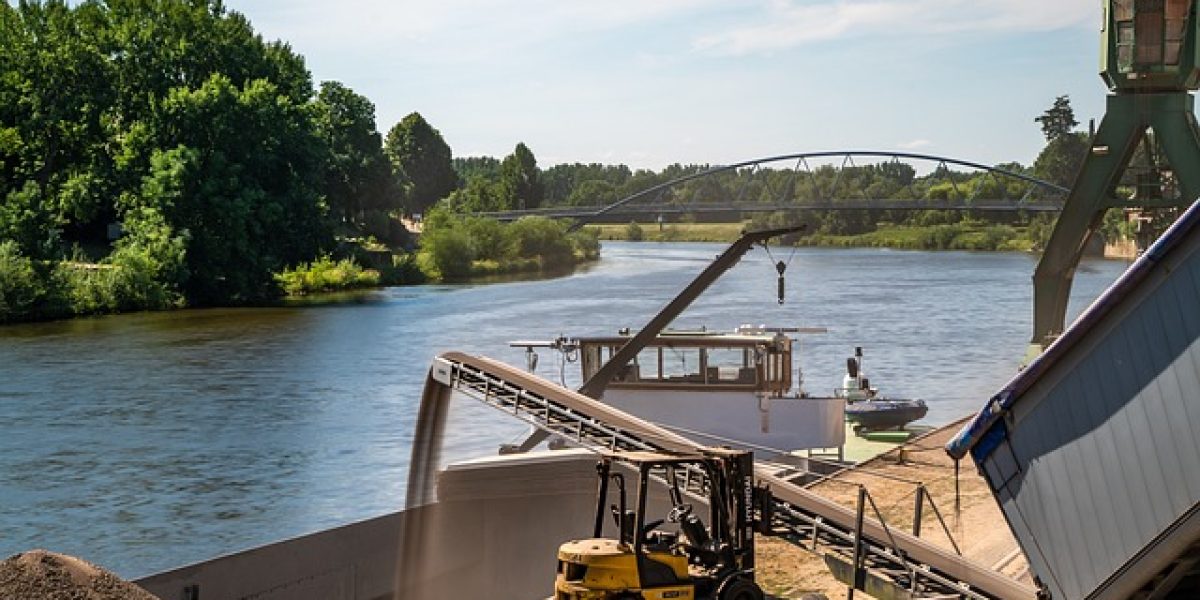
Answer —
405 270
20 286
446 254
633 232
585 243
541 237
326 275
490 238
941 237
997 236
140 280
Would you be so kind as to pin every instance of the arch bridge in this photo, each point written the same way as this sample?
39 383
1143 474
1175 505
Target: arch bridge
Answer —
826 181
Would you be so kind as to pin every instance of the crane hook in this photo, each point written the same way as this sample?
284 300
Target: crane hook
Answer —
780 267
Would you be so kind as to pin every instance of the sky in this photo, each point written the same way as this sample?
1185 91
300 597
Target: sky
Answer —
648 83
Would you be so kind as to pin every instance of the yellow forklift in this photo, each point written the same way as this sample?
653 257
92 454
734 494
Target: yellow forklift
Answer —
649 562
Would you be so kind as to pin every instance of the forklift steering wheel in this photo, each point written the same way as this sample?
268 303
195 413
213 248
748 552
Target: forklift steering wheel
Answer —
679 512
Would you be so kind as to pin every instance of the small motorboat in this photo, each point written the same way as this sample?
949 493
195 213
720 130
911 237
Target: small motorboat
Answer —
866 410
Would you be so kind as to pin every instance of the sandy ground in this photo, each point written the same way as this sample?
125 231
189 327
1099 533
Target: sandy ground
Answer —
971 515
43 575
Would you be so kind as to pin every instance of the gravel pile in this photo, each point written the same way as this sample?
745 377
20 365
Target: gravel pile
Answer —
43 575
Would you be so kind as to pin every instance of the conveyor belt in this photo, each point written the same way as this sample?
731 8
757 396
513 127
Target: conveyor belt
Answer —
899 560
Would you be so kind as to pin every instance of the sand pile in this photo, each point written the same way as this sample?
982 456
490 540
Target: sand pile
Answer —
43 575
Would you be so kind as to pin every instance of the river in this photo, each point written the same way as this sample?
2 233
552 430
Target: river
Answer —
146 441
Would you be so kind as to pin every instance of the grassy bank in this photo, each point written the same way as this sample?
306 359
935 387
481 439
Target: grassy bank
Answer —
672 232
957 236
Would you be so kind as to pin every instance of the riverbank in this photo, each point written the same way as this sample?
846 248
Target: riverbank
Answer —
956 236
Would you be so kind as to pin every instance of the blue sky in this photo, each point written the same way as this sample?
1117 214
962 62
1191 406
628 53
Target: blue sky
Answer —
651 82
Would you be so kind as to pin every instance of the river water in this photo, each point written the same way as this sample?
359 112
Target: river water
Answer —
146 441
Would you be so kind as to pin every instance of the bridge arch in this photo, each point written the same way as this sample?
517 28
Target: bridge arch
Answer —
1047 189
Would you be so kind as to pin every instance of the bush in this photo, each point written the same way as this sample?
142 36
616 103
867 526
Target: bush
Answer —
20 286
541 237
633 232
139 280
455 247
82 289
405 270
586 244
998 236
490 239
941 237
325 275
446 254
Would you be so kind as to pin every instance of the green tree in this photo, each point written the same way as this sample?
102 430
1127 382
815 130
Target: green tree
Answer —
176 118
1058 120
520 181
479 195
423 161
240 183
487 167
358 178
593 192
55 85
1062 157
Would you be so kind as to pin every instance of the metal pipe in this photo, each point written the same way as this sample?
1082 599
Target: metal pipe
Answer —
859 575
917 508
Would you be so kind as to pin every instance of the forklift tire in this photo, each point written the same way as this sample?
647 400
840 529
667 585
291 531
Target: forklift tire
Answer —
741 589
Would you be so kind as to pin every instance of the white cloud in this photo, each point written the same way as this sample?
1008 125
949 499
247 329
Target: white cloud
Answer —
914 144
786 24
455 29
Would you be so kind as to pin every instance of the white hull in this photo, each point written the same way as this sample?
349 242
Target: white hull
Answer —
739 416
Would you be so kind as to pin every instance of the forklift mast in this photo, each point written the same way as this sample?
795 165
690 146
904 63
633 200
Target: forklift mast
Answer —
736 507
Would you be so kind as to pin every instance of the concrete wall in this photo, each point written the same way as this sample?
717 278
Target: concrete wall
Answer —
494 533
354 562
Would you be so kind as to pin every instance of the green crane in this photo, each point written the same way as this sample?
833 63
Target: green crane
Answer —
1150 61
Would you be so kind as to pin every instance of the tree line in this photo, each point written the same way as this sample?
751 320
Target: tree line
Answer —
156 153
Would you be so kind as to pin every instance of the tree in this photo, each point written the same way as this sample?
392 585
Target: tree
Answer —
358 177
468 167
593 192
520 182
240 183
1058 120
422 160
55 85
478 195
1062 158
177 119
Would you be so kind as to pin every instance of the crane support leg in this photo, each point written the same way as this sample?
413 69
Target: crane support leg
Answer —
1128 116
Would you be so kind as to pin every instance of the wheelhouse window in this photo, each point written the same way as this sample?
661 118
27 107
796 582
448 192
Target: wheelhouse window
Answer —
744 364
